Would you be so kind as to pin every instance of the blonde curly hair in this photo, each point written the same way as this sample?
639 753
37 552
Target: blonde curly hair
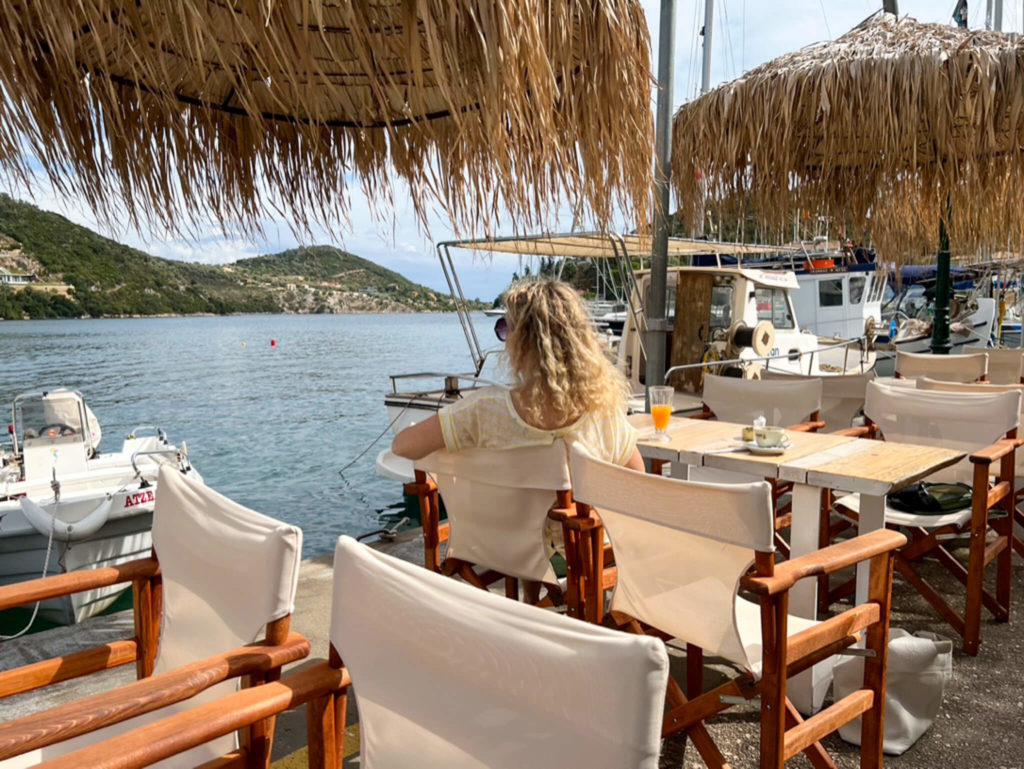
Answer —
560 371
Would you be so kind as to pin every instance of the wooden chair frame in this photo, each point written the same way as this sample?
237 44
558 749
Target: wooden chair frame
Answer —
435 533
784 733
258 663
931 542
322 687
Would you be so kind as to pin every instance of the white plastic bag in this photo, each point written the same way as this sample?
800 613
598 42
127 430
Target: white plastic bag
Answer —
920 666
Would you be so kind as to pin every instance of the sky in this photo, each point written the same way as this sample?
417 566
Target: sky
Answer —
745 34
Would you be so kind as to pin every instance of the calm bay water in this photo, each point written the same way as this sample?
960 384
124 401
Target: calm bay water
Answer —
268 426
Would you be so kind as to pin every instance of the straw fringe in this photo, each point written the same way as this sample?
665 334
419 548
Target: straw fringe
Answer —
879 130
169 112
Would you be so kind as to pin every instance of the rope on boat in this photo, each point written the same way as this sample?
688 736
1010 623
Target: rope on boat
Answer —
55 484
383 432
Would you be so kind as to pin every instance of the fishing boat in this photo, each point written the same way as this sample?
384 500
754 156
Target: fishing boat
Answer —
65 505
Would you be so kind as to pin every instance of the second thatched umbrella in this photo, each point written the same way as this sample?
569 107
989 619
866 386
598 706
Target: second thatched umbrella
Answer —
169 112
888 130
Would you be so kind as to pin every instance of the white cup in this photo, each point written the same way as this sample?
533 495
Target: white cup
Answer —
769 437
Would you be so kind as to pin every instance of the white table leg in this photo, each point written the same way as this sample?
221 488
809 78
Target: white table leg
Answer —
807 690
872 516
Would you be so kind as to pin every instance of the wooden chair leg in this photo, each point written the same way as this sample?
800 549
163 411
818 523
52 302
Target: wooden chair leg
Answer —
877 640
694 671
773 681
976 563
324 732
512 588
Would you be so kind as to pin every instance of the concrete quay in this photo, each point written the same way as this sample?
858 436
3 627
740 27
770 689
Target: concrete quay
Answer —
981 723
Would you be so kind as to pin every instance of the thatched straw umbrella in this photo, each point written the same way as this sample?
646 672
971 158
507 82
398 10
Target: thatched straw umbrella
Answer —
888 130
168 112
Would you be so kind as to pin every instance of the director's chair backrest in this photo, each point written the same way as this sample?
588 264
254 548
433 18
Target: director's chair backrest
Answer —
972 367
680 549
447 675
498 501
1004 365
962 421
780 402
227 572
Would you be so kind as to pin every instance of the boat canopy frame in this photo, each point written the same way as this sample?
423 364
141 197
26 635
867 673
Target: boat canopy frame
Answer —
620 248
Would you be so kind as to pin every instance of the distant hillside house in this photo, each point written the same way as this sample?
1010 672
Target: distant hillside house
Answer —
15 279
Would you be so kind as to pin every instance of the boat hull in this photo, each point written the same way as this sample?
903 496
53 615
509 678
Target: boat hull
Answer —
122 539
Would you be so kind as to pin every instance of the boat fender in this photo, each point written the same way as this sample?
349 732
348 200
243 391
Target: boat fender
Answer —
43 520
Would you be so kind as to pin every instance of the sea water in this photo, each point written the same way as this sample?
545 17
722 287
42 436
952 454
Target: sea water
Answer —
271 406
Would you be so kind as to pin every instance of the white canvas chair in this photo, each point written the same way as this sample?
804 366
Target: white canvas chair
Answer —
497 503
793 403
1018 515
446 677
842 396
684 550
1004 365
227 577
971 367
983 425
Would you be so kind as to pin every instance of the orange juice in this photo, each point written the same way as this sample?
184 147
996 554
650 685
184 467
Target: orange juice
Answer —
660 414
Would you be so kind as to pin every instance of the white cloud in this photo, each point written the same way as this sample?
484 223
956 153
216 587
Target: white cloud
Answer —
746 33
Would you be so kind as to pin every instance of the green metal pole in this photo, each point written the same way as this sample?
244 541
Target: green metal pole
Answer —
943 289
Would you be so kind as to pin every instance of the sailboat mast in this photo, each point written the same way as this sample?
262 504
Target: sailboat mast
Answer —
705 71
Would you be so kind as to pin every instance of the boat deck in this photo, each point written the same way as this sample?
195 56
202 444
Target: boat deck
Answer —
979 725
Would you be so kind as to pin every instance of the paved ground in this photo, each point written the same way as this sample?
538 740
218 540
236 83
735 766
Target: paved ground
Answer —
981 723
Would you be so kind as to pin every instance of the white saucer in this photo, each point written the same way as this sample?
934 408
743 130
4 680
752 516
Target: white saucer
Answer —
767 451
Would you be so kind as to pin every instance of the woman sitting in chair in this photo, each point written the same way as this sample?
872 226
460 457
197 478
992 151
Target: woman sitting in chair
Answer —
563 386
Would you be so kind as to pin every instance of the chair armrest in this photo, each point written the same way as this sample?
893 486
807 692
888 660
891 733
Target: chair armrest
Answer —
997 450
863 431
182 731
807 427
703 415
87 715
76 582
825 561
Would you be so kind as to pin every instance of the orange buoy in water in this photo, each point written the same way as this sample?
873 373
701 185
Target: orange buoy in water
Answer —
273 343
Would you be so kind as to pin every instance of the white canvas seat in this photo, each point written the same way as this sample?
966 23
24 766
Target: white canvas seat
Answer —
228 573
449 677
981 387
683 551
972 367
978 423
1004 365
497 503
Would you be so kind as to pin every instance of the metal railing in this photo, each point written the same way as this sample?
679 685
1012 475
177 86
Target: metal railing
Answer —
767 359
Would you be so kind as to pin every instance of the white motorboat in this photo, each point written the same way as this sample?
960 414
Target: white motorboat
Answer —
66 506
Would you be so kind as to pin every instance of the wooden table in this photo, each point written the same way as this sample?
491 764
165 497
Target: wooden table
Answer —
815 461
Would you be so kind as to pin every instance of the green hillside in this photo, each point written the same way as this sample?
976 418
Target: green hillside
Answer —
82 273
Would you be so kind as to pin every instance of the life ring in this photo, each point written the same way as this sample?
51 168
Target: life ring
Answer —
43 520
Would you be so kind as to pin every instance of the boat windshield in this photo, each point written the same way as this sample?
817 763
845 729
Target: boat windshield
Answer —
51 416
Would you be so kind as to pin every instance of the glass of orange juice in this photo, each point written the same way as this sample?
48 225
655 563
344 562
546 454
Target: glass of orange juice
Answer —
661 411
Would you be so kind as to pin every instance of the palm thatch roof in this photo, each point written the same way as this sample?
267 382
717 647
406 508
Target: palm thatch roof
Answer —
171 111
884 130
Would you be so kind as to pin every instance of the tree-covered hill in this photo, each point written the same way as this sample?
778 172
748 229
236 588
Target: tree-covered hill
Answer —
81 273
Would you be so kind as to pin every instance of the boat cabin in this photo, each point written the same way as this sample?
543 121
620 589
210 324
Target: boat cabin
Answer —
734 314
